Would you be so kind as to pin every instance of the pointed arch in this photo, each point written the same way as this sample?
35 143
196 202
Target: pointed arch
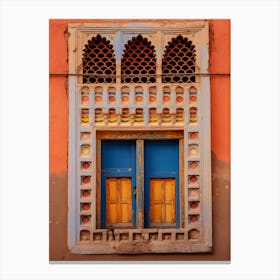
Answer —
99 62
138 63
179 60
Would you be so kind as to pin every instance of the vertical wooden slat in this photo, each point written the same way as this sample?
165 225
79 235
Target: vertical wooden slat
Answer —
155 201
112 199
118 201
125 202
162 198
169 200
140 183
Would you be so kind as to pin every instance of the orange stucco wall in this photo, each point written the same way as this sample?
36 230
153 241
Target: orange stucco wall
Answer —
220 88
220 144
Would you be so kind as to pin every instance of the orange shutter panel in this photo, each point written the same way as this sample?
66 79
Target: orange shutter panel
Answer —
162 201
125 200
112 205
169 201
156 201
118 201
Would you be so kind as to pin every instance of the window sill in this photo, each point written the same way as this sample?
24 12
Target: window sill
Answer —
140 241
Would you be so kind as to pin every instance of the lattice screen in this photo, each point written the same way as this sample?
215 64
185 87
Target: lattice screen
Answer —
99 63
178 61
138 61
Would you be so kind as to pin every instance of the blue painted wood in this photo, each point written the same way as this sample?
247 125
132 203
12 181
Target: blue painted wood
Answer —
118 159
161 160
140 183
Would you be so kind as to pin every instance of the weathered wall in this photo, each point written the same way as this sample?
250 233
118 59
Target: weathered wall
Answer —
220 122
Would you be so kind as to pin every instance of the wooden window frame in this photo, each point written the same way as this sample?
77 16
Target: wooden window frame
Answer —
140 137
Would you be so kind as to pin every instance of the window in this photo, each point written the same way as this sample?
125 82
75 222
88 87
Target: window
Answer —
139 138
99 63
138 64
178 61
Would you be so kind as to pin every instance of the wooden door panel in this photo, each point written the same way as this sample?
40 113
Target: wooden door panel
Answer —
118 201
112 200
112 213
126 206
125 214
162 201
156 200
169 200
112 189
156 213
156 190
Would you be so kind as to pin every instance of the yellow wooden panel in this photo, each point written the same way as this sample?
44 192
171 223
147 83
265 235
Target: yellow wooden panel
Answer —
169 200
112 189
118 200
156 213
112 200
112 213
156 186
126 203
156 190
162 201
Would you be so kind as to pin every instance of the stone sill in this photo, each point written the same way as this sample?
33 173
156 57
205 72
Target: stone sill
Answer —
141 241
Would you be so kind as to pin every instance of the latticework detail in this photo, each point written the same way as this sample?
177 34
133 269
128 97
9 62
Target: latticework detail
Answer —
99 63
178 61
138 63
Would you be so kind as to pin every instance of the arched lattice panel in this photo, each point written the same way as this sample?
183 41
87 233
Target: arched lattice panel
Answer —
138 63
99 62
178 61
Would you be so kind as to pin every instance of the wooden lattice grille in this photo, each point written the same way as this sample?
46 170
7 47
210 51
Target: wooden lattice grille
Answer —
178 63
99 63
138 63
